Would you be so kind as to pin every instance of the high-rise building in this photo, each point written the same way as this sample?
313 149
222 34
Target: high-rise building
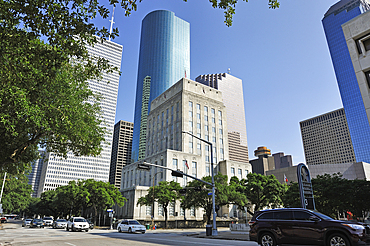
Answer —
358 124
163 60
232 91
326 139
34 176
121 150
357 34
58 171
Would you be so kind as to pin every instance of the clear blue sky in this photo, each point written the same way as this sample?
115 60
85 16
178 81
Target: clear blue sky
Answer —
281 55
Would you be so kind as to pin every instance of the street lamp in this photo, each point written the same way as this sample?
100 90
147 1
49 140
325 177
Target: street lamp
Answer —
214 227
153 198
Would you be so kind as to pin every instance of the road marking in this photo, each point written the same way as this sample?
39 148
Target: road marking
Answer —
70 244
160 239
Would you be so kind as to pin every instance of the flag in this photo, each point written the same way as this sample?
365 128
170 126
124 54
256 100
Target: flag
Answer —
186 163
285 179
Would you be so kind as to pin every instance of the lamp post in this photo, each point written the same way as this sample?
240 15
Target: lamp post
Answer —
214 227
153 198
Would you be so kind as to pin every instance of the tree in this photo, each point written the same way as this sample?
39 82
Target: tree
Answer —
262 191
164 193
16 194
292 198
200 199
101 195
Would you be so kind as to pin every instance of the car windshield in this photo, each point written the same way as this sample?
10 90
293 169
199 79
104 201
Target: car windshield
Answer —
61 220
322 216
133 222
37 220
28 219
80 220
48 218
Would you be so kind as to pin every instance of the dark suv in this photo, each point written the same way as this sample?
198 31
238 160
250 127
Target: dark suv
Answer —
302 226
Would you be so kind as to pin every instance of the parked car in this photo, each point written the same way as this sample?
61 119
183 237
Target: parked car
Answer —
48 221
302 226
26 222
59 223
77 224
130 226
3 219
37 223
91 225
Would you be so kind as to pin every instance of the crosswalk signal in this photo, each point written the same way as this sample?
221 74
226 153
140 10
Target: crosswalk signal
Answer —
198 188
177 174
143 166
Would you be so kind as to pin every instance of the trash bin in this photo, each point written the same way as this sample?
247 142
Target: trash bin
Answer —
208 230
147 226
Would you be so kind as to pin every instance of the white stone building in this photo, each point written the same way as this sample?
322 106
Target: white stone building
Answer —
187 106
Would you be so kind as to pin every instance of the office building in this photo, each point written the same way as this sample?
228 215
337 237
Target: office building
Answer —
232 91
187 106
121 150
266 162
58 171
358 124
357 34
34 176
164 59
326 139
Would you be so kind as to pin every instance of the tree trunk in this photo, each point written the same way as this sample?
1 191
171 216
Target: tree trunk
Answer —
165 216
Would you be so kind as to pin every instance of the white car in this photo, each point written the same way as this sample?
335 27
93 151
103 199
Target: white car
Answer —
77 224
60 223
130 226
26 222
48 221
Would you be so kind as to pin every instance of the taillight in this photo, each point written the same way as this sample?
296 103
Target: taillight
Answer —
251 222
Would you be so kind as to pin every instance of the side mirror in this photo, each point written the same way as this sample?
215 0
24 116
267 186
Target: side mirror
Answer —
314 218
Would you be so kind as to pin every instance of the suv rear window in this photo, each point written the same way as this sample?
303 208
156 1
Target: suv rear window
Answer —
266 216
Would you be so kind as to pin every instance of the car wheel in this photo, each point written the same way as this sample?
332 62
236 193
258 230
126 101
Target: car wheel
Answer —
67 229
73 228
337 239
143 232
87 230
129 230
119 229
267 239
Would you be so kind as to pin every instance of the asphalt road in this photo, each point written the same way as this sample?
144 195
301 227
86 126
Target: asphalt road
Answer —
14 234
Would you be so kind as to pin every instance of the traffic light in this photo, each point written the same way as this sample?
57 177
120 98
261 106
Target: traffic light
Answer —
198 188
177 174
143 166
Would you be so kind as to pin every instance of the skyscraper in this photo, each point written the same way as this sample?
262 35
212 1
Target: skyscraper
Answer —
355 112
232 96
163 60
121 150
58 171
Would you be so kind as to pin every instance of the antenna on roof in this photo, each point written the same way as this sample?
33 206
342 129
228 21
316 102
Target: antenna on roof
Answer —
111 24
228 70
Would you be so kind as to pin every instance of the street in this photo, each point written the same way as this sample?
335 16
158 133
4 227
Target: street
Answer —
14 234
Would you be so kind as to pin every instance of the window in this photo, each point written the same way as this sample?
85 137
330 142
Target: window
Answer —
171 210
148 210
246 173
232 171
365 41
367 75
182 211
283 215
198 107
300 215
194 169
239 173
266 216
207 170
160 210
192 211
174 167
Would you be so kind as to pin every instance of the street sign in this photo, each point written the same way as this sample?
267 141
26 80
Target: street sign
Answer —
210 193
109 210
305 187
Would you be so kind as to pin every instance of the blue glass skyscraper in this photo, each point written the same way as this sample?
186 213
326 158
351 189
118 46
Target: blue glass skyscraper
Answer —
358 123
163 60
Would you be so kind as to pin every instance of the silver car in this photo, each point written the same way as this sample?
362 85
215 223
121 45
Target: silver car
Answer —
130 226
60 223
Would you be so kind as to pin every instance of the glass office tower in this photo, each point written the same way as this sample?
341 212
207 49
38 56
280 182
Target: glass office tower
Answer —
358 124
164 58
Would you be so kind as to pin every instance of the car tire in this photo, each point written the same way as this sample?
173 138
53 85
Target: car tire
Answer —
73 228
87 230
143 232
67 229
267 239
337 239
129 230
119 229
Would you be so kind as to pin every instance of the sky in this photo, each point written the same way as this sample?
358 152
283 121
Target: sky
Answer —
281 56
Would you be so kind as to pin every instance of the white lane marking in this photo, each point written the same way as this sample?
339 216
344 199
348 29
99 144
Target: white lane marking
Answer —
160 239
70 244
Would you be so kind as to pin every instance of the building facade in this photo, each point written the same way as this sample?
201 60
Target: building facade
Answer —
121 150
232 91
265 162
358 124
58 171
187 106
357 34
34 176
164 58
326 139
